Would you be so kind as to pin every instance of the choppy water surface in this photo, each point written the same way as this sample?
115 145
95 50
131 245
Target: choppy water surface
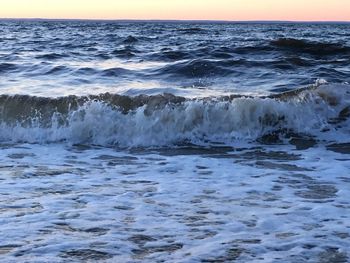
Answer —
174 142
64 58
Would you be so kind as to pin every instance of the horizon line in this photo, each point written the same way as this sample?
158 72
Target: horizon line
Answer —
175 20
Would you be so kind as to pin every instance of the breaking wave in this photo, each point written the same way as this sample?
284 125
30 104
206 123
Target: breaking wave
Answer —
165 120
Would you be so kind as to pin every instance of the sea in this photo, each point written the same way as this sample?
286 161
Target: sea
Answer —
168 141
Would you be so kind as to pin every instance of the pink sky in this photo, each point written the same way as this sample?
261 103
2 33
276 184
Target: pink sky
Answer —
300 10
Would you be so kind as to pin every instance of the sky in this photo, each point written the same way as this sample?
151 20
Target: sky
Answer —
236 10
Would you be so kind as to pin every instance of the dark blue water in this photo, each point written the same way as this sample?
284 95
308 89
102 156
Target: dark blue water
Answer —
74 57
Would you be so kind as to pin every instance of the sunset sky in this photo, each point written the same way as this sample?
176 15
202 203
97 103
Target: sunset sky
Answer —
301 10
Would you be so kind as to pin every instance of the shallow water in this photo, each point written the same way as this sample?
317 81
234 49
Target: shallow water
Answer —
174 142
267 204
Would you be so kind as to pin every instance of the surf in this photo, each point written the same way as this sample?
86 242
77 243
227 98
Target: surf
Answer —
321 111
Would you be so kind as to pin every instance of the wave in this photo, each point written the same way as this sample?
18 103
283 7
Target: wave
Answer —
165 120
7 67
170 55
51 56
130 40
191 31
315 48
86 71
197 68
115 72
125 52
57 70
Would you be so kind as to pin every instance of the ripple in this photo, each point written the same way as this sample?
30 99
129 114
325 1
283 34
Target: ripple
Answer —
7 67
86 254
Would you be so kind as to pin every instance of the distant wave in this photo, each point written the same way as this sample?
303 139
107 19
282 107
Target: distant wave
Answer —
191 30
316 48
130 40
165 120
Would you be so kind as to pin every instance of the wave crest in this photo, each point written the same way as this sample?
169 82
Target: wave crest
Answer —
165 120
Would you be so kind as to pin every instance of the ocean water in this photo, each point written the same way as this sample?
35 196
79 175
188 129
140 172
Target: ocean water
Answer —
174 142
